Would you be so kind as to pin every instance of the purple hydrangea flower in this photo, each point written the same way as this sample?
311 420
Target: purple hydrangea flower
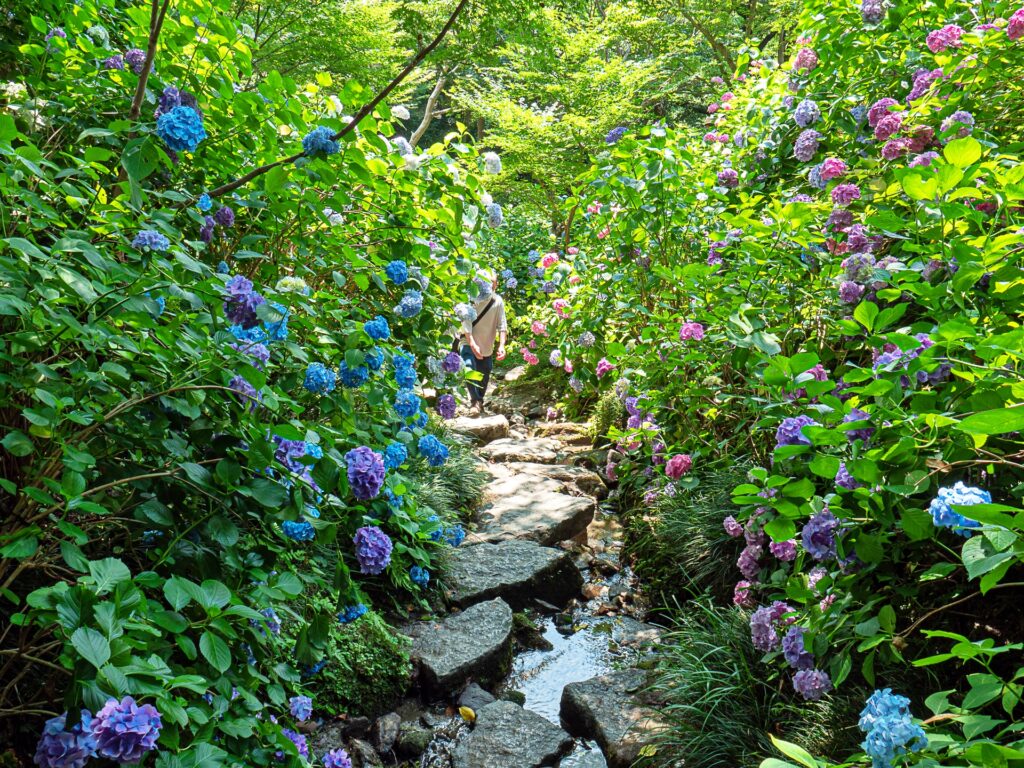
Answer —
62 748
365 473
298 740
806 113
819 535
373 549
880 109
790 431
337 758
762 630
150 239
844 194
742 594
839 220
247 393
301 707
850 292
114 62
732 527
136 59
863 433
615 134
793 649
873 11
965 121
224 216
125 731
446 406
749 560
812 684
206 231
784 550
844 479
806 145
728 177
452 363
240 302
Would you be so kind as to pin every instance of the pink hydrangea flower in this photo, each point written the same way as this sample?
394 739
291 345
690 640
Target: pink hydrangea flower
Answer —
603 366
529 357
895 148
575 279
539 328
947 37
832 168
743 595
806 59
678 466
572 250
604 233
844 194
568 366
888 125
1015 27
879 109
594 208
690 331
712 108
921 137
561 307
549 260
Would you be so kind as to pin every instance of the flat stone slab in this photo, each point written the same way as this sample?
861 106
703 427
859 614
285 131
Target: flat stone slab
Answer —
586 481
515 374
613 711
629 632
485 429
476 643
507 736
508 484
542 515
542 450
516 571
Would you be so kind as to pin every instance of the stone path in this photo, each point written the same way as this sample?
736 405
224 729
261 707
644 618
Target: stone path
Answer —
534 547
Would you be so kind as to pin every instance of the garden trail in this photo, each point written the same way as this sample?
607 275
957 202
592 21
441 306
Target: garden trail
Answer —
545 644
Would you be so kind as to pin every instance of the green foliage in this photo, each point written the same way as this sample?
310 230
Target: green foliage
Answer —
679 544
453 488
368 672
608 413
719 703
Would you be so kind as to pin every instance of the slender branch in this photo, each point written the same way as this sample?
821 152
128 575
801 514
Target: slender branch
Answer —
156 22
231 186
429 111
955 603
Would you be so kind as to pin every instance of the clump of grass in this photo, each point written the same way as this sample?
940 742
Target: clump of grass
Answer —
719 705
608 412
457 485
680 543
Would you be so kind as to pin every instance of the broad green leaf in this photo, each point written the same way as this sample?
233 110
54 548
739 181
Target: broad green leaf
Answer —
91 646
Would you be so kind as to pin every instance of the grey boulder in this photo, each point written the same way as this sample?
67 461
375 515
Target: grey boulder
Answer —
476 643
507 736
542 450
614 711
516 571
484 429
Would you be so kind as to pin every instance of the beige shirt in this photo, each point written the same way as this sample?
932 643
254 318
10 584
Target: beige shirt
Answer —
493 323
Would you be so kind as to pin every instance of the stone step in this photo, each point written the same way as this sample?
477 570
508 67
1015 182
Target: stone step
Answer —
541 450
516 571
581 478
484 429
476 643
538 514
614 711
507 736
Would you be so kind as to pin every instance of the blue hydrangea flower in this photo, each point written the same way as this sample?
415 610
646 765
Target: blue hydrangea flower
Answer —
397 271
299 530
941 507
880 705
891 732
377 328
62 748
301 707
277 330
353 378
395 455
407 404
320 142
410 305
433 450
352 612
298 740
405 372
420 420
365 472
125 730
495 216
315 669
454 535
151 240
373 549
615 134
374 359
181 129
223 268
315 451
204 203
420 576
319 379
255 334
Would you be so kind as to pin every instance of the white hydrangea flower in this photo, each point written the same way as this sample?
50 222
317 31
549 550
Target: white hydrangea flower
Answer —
400 112
13 91
492 163
413 162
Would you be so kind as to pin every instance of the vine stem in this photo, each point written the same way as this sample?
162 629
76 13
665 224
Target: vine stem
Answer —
955 603
156 23
363 112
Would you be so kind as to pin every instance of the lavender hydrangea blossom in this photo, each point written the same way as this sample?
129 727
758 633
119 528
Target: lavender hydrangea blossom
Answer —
806 145
125 731
373 549
790 431
793 649
819 535
61 747
365 472
806 113
812 684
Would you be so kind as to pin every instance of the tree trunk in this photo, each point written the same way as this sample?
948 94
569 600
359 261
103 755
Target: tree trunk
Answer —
428 112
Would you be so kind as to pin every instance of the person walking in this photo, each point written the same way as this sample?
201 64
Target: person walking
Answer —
478 339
